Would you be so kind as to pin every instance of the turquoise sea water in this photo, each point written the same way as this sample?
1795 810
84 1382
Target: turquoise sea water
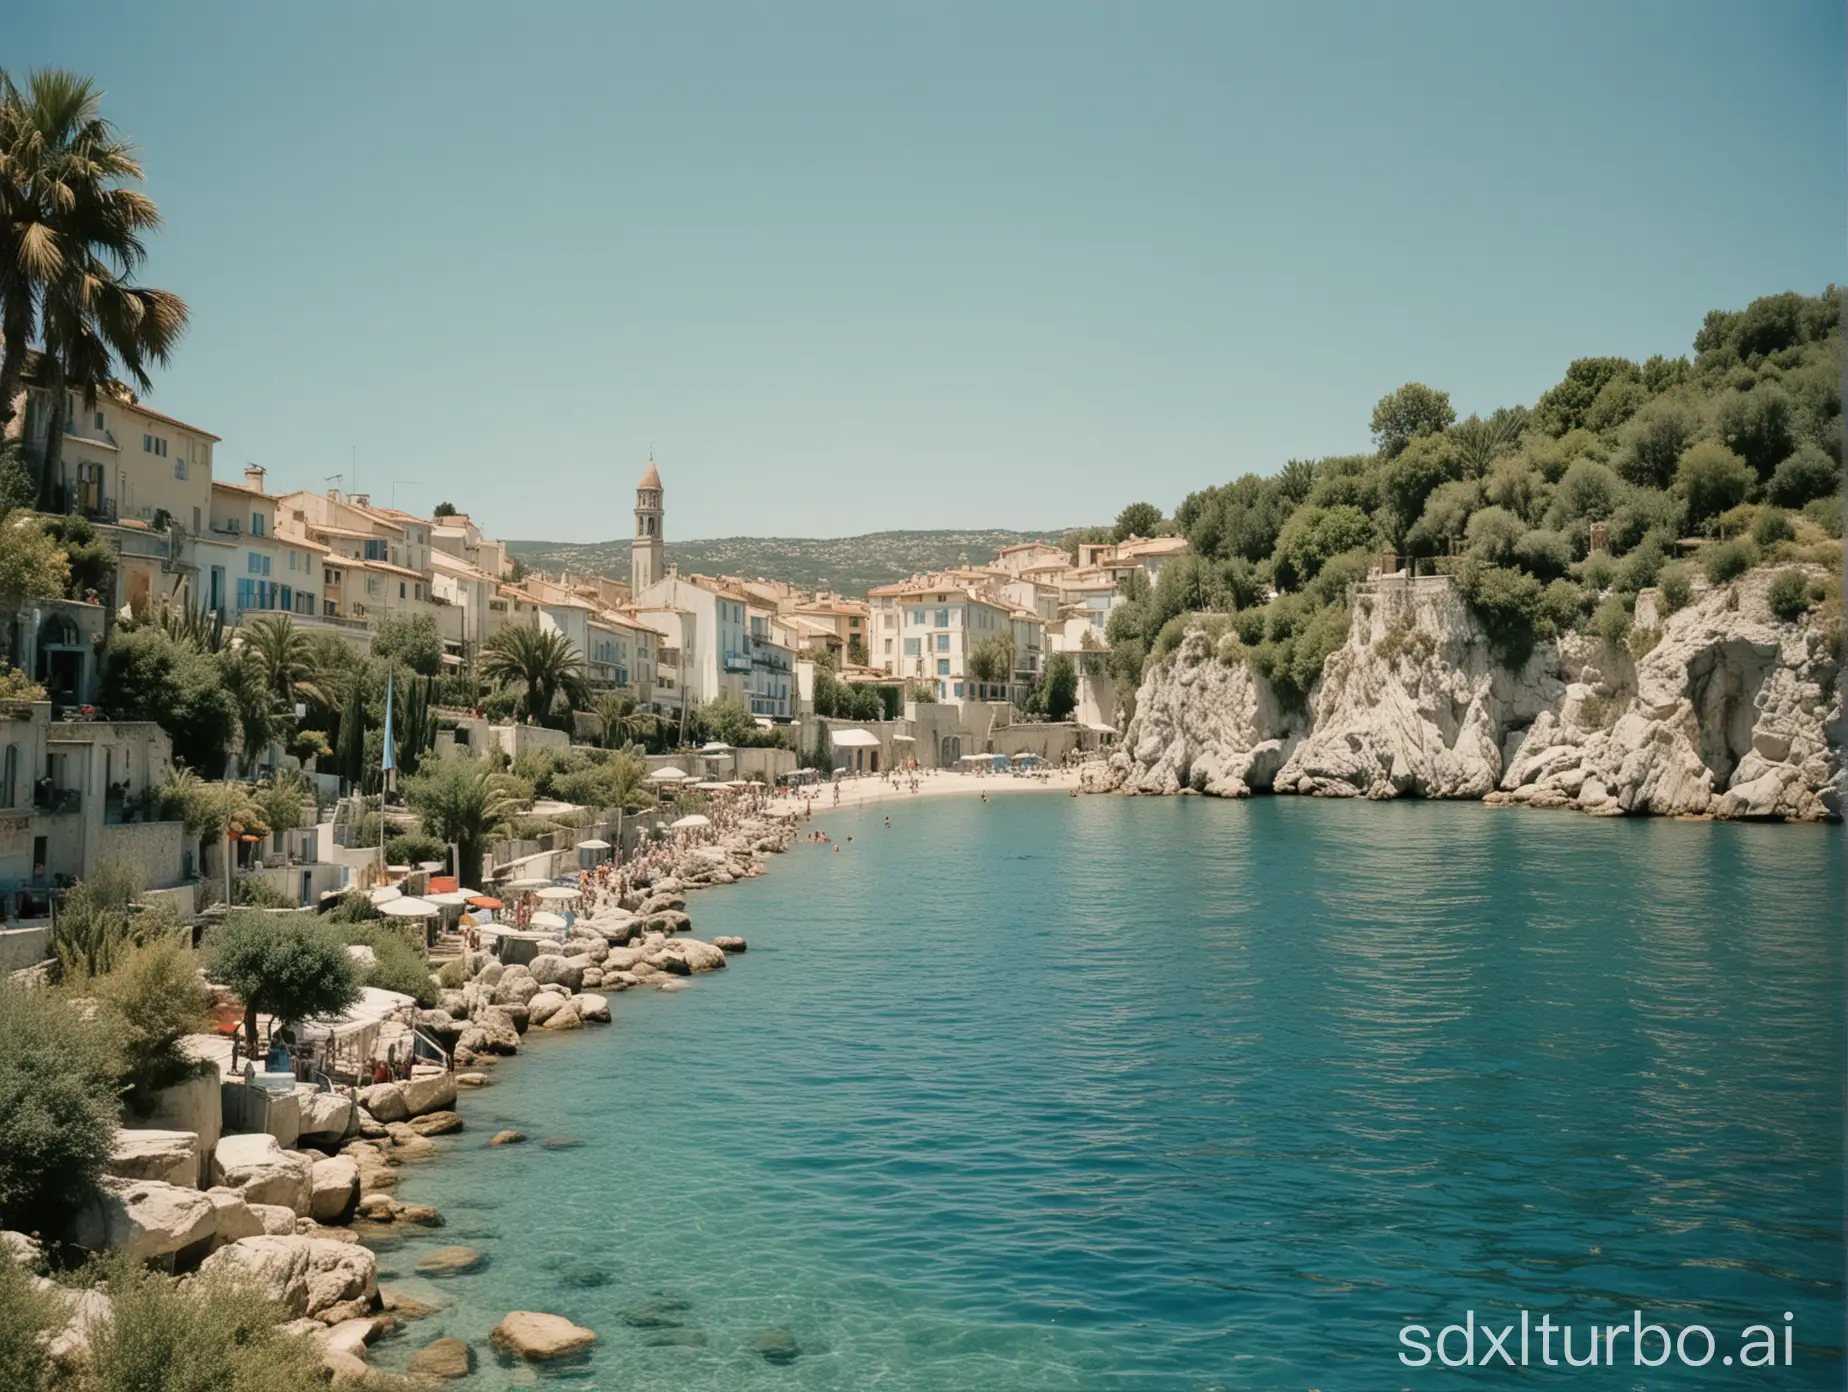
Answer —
1185 1094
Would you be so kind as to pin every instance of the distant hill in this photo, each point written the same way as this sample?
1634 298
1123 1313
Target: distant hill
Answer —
848 565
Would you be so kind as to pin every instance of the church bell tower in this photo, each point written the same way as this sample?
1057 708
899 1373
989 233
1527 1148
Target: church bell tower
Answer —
646 564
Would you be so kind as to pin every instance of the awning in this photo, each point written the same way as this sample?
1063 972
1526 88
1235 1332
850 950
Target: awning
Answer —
853 739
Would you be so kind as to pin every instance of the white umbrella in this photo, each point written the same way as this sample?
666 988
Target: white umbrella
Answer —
593 845
468 893
692 820
557 893
666 775
449 898
408 908
529 882
384 894
708 784
715 747
546 920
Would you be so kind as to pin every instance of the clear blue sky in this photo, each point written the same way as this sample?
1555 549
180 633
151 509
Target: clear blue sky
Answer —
851 267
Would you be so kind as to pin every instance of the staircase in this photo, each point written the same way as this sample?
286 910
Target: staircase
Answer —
449 946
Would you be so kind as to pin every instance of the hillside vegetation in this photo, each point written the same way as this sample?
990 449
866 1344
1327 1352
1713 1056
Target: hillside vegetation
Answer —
1739 445
847 565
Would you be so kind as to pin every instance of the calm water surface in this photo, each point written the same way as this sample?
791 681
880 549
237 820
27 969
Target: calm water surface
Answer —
1185 1094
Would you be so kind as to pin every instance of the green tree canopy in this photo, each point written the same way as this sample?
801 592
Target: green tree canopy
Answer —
289 967
1136 520
1413 410
410 640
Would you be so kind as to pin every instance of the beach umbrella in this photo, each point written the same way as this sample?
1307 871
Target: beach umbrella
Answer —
546 920
466 892
408 908
667 775
384 894
557 893
449 898
692 820
527 882
593 845
485 901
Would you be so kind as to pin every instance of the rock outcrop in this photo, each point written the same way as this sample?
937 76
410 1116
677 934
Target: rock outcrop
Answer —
1728 711
145 1218
312 1277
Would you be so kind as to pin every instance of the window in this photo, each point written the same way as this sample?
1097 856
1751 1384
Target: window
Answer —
888 647
256 524
959 687
179 467
374 551
943 666
400 589
259 564
911 647
943 618
943 642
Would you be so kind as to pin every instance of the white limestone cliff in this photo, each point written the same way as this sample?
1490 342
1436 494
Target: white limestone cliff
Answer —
1732 713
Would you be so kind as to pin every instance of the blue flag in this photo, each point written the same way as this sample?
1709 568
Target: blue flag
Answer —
387 763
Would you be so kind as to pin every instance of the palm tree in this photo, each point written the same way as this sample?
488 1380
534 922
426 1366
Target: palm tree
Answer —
284 655
250 690
214 811
463 801
70 242
620 719
544 662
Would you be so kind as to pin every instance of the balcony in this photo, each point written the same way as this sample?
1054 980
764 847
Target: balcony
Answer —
737 662
56 801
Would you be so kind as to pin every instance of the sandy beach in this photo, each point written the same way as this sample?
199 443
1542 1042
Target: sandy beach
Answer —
856 792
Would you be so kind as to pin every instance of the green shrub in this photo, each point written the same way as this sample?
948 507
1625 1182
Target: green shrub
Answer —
1772 526
1638 570
1789 595
27 1315
400 966
257 892
205 1335
1563 606
1826 513
151 1001
1676 586
1805 475
1507 603
1611 620
1597 572
1712 479
413 848
1728 560
453 976
58 1108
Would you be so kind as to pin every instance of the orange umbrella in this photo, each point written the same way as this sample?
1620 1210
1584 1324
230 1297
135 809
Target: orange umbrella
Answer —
482 901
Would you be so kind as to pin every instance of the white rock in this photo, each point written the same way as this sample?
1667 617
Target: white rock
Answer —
591 1008
328 1118
1728 714
144 1218
551 970
544 1006
309 1276
385 1101
262 1172
172 1157
429 1092
235 1219
335 1189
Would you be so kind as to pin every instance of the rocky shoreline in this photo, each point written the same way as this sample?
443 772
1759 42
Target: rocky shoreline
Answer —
293 1221
1719 709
